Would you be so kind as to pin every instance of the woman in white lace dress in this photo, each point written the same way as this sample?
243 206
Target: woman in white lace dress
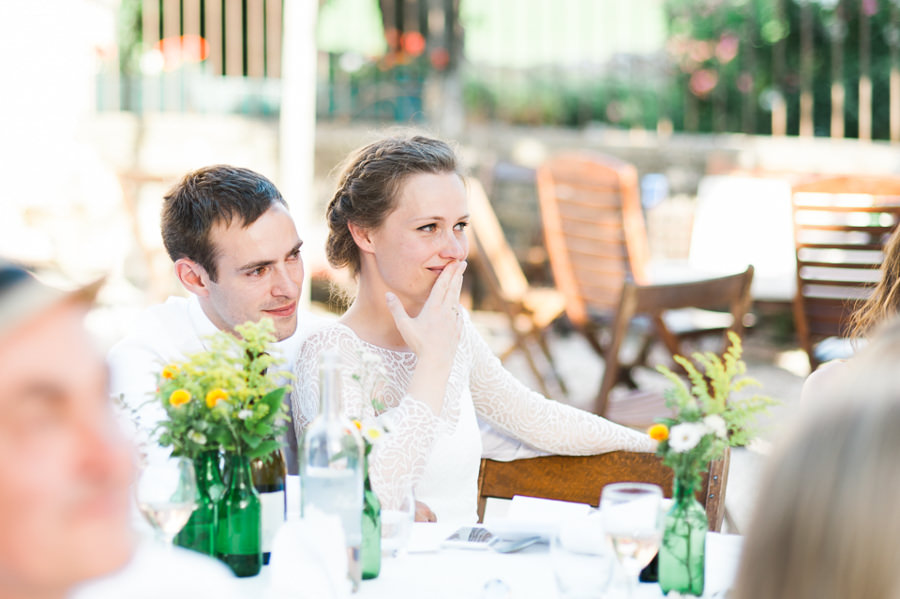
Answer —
398 220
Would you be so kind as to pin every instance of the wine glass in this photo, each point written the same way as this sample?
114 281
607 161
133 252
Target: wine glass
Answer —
582 558
632 519
166 495
396 523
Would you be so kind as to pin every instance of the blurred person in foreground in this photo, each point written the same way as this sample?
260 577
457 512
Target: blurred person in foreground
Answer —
64 469
878 308
236 250
826 524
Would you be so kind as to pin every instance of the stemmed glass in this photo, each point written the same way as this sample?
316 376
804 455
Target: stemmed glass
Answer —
396 524
633 521
166 495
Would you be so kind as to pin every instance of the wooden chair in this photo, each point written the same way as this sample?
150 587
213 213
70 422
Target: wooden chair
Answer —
840 227
529 310
582 478
596 241
731 293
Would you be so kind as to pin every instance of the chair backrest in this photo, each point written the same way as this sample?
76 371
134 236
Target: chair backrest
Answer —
582 478
731 293
496 261
594 229
840 227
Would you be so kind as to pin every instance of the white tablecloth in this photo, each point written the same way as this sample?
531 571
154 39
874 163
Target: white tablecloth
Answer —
461 574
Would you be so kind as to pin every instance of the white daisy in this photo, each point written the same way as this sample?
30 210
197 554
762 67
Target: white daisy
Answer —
197 437
685 436
245 414
717 425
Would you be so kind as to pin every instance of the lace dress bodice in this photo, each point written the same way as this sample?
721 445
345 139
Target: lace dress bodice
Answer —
439 455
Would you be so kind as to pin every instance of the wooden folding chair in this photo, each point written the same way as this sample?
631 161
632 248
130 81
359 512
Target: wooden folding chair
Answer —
730 293
596 240
582 478
529 310
840 227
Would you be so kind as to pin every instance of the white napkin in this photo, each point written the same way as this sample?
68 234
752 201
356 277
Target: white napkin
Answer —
309 559
534 516
156 572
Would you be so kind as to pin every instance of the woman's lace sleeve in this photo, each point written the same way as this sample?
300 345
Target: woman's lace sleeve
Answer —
542 423
398 459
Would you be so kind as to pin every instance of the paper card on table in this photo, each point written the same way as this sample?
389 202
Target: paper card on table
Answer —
534 516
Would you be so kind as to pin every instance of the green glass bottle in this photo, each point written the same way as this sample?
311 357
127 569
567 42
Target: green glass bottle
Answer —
268 477
370 551
239 525
199 533
682 552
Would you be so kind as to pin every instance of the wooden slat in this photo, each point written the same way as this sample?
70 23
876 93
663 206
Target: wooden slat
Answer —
837 74
854 265
839 246
172 90
234 39
256 39
171 18
877 229
150 29
213 34
865 76
274 33
589 250
828 209
191 9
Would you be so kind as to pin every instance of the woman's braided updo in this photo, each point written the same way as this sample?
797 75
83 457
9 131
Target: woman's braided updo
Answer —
369 184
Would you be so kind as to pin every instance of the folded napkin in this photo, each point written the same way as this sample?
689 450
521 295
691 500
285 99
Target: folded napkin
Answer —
309 559
534 516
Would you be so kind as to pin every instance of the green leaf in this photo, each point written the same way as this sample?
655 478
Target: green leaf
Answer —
264 449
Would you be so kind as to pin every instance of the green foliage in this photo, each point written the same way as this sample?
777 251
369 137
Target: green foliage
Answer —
708 418
225 397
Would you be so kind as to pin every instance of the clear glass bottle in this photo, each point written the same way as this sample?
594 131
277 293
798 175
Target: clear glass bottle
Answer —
331 465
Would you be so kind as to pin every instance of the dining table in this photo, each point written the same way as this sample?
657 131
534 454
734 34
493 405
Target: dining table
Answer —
427 570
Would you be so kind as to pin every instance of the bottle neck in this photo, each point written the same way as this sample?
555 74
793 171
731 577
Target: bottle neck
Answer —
330 389
683 490
240 471
208 470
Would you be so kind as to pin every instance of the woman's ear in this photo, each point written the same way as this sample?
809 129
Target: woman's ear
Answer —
362 237
192 276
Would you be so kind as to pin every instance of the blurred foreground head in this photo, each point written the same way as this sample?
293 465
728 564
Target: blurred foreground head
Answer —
826 522
64 470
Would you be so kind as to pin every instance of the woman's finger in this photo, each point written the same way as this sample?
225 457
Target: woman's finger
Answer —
455 287
401 318
442 285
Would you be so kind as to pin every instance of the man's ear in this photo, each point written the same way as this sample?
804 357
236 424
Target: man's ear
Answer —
193 276
362 237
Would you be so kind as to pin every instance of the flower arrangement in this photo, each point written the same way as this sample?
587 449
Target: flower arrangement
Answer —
707 417
224 397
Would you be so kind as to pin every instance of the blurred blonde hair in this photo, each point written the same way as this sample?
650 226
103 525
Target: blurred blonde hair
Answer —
884 303
826 524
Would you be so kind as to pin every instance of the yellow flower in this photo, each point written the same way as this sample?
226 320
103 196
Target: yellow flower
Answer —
170 371
214 396
658 432
358 424
179 397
